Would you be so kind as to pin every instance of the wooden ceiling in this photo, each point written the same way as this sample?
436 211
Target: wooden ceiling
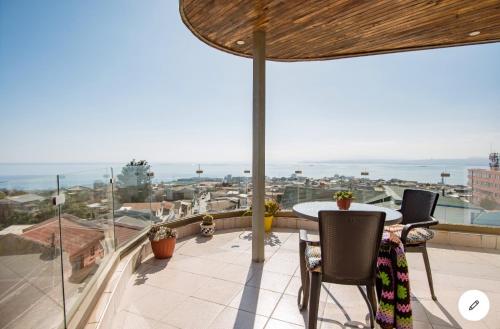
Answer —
300 30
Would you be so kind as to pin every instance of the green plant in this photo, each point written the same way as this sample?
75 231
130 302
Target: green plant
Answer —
343 195
160 231
271 208
207 220
134 183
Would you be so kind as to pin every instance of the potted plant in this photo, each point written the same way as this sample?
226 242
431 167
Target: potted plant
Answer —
207 226
162 240
271 208
344 199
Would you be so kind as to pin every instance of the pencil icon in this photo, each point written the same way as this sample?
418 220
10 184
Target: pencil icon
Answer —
473 305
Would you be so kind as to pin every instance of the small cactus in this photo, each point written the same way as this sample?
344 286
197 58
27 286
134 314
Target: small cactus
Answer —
208 220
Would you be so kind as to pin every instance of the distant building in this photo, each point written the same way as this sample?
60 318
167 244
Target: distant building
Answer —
455 210
489 218
448 210
26 198
223 204
81 240
175 193
485 185
157 209
126 228
29 203
15 229
183 208
78 188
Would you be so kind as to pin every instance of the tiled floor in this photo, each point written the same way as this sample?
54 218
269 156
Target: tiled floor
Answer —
212 283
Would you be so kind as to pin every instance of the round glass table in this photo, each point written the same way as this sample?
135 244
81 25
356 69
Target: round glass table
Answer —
310 210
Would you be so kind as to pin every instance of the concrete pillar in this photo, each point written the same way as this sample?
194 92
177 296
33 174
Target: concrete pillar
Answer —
258 145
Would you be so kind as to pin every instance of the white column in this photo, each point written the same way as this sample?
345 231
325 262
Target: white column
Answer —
259 145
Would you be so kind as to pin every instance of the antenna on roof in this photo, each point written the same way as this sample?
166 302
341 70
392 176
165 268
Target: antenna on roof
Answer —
199 171
444 175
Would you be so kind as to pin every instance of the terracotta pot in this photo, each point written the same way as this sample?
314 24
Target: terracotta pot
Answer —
344 204
163 248
268 223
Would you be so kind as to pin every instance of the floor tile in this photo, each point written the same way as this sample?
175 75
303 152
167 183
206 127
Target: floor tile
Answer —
127 320
288 311
155 304
198 265
218 291
193 313
270 281
256 300
293 286
277 324
281 266
179 281
236 273
337 316
233 318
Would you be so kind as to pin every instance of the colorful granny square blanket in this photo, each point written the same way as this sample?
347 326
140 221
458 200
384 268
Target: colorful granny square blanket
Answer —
393 285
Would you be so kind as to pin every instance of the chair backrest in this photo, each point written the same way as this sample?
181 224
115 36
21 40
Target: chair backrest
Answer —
418 205
349 245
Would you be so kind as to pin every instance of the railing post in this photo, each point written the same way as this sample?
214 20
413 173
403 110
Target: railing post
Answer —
112 182
58 203
258 144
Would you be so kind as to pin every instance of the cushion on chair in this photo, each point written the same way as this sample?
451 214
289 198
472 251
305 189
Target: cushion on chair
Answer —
313 257
415 236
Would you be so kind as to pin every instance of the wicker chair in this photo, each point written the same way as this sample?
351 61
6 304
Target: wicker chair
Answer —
417 209
345 254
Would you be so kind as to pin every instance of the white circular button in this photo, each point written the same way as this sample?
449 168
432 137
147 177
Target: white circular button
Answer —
473 305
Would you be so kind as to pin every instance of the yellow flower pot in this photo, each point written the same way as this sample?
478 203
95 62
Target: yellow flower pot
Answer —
268 223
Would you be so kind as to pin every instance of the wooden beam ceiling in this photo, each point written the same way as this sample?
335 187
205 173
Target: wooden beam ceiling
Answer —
299 30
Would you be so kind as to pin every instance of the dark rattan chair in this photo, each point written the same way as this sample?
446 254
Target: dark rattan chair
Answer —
417 209
345 254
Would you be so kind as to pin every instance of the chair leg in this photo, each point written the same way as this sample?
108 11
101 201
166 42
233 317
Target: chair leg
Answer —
315 292
370 290
371 302
303 295
428 270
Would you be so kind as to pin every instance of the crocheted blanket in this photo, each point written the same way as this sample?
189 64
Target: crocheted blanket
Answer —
393 285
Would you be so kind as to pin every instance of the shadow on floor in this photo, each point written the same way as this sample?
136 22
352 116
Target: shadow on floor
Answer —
270 239
150 266
249 298
438 321
202 239
350 322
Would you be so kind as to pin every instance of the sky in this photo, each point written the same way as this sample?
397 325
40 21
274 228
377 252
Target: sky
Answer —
108 81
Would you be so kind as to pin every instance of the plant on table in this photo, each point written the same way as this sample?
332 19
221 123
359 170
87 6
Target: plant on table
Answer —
207 225
162 240
344 199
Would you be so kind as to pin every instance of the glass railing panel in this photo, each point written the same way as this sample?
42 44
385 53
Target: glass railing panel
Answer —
87 230
469 191
187 190
135 207
31 292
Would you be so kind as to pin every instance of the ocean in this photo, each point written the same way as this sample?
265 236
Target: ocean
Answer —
33 176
